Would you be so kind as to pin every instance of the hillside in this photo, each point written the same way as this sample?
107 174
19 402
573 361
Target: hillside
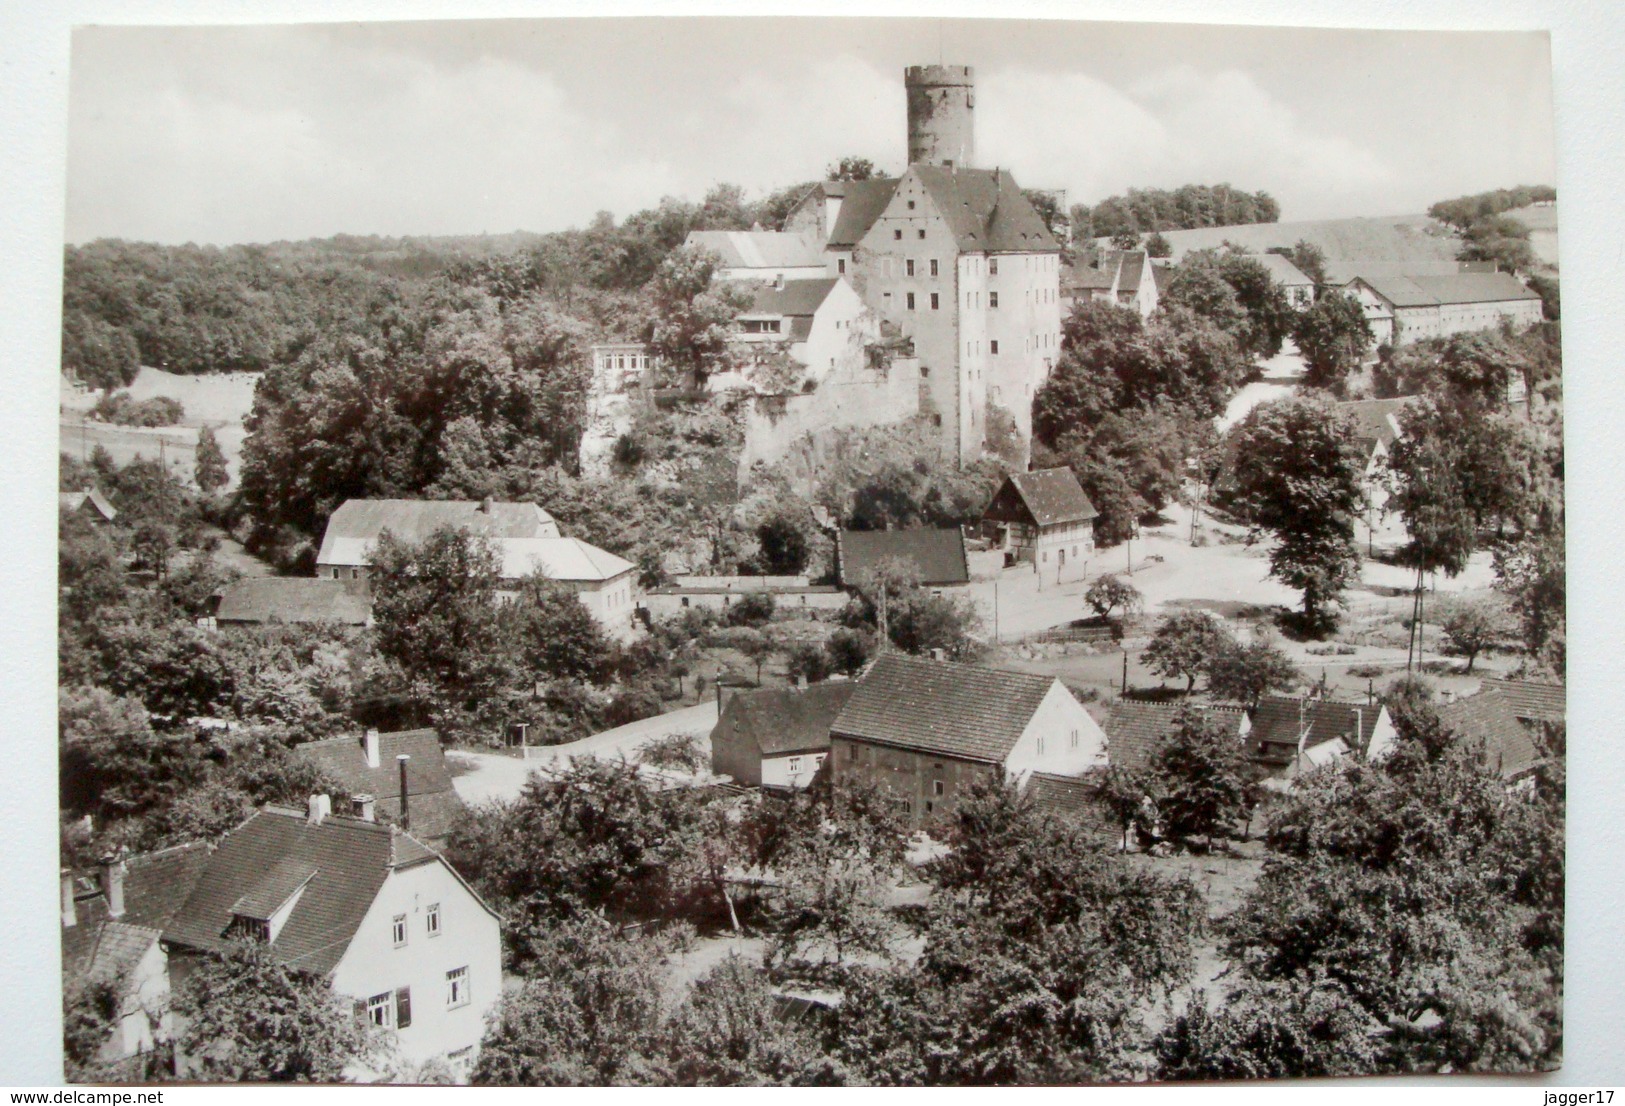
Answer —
1393 238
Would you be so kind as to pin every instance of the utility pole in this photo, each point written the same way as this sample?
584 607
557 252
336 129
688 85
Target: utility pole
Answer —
995 610
1125 670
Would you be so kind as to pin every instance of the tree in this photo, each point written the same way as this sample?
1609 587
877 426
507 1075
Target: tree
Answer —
1109 592
249 1018
1184 645
211 474
754 609
1298 475
1203 771
1334 337
1127 793
1274 1030
100 354
729 1032
694 314
784 546
1532 574
830 903
849 650
852 168
1199 285
556 635
1473 625
1245 673
1157 246
1126 240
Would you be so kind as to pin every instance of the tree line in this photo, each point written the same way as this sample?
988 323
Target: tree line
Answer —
1144 210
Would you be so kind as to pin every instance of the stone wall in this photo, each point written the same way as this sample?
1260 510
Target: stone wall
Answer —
851 396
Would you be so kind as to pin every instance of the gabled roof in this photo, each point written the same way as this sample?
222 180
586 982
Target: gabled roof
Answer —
940 554
1374 420
155 885
348 860
1281 269
862 201
778 721
345 760
118 948
759 249
1454 288
794 298
1276 723
1531 700
985 210
1046 497
281 882
1087 278
1073 798
73 501
1487 722
958 710
1131 264
1137 731
567 559
357 524
1342 270
295 599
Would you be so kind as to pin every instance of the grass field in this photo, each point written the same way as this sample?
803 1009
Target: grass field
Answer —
219 401
1394 238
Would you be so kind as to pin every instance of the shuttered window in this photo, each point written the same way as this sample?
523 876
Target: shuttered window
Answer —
403 1008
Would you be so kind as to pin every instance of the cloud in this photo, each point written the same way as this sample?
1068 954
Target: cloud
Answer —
1172 127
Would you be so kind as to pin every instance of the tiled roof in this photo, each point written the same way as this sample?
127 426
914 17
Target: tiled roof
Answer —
985 209
1432 291
434 801
295 599
119 947
567 559
1374 419
73 501
796 297
357 524
1488 722
1136 731
155 884
1281 269
1050 497
1132 264
784 720
861 204
960 710
1537 702
1069 797
759 249
1342 270
940 554
348 859
1276 722
1089 278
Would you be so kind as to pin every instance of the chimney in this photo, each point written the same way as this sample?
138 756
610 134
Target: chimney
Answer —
778 281
939 654
70 916
406 813
369 742
801 681
113 883
317 809
365 807
486 504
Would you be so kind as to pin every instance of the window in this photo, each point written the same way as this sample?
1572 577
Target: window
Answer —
994 345
840 265
1074 739
403 1008
933 266
910 303
432 920
993 299
936 301
911 205
937 788
909 267
795 765
381 1010
399 930
993 266
456 988
922 232
897 235
1040 744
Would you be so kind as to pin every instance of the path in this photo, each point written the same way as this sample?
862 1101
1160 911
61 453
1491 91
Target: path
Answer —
502 777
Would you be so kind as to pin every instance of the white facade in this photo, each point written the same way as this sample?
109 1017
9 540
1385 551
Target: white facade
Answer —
448 960
794 771
1061 738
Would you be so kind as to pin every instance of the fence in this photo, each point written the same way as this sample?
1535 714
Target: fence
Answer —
1090 635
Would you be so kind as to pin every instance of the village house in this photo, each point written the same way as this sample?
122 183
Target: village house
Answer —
791 594
1137 732
371 769
292 601
1376 429
1488 723
607 585
761 255
88 503
938 555
1405 309
1126 278
777 738
112 922
957 259
354 529
926 730
1293 281
367 907
1540 707
1042 518
819 324
1292 736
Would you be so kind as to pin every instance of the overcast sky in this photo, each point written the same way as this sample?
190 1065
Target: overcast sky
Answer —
280 132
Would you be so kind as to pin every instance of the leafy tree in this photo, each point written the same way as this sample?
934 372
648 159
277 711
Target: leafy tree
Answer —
1334 337
1245 673
556 634
849 650
1501 239
923 622
210 473
1126 240
1473 625
1109 592
831 900
113 763
1199 285
1532 574
694 314
785 550
1298 475
1274 1030
895 477
586 1014
100 354
807 661
1127 793
754 609
1203 770
728 1032
250 1018
852 168
1156 246
1184 645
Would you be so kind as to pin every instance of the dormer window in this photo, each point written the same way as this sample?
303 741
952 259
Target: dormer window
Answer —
245 928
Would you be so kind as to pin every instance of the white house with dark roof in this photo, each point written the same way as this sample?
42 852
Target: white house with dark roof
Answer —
1045 519
777 738
354 529
607 585
1125 278
367 768
363 905
820 323
926 730
1404 309
1291 736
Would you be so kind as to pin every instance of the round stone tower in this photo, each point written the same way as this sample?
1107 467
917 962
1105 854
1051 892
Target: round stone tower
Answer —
941 128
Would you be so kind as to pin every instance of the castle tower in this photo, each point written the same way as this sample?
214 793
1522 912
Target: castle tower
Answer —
941 129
